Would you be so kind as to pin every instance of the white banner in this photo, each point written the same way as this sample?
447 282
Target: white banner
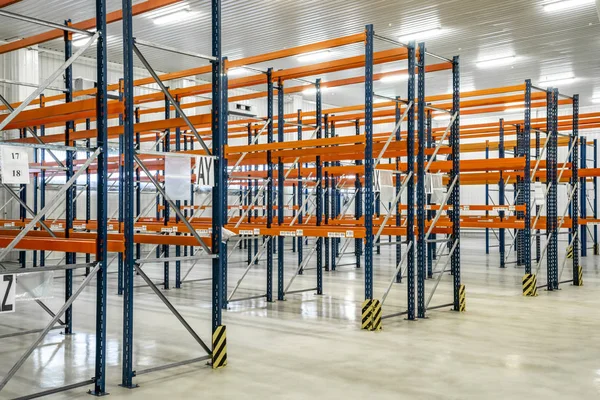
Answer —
178 177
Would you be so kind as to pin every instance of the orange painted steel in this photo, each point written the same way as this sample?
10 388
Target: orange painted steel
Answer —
111 17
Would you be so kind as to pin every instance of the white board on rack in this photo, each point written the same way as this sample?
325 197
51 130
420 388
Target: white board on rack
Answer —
14 162
7 294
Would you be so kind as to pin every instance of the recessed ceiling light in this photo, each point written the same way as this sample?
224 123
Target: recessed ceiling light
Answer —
558 81
421 35
394 78
561 5
313 90
315 56
235 72
177 16
496 62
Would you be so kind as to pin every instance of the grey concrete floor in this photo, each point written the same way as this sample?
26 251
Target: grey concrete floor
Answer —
505 346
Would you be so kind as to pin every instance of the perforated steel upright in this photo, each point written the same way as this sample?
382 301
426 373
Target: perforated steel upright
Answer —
574 181
455 174
410 188
368 189
526 187
280 192
552 198
421 198
270 184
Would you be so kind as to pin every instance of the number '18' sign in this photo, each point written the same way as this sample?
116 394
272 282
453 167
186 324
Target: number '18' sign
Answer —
14 162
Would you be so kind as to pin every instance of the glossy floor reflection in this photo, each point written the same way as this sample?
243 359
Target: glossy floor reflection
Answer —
504 347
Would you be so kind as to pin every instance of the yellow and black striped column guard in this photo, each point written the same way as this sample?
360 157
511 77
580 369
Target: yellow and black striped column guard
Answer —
367 310
219 353
579 281
462 299
530 285
376 316
570 252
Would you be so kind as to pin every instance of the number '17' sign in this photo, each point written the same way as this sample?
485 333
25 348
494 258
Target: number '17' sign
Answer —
14 162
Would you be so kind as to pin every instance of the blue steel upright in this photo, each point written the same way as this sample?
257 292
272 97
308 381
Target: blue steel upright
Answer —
102 199
410 187
583 197
270 185
219 192
574 180
421 255
501 198
526 184
368 189
319 191
300 197
455 174
280 193
128 196
70 195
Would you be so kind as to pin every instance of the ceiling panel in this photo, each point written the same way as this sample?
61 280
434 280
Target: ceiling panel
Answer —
545 43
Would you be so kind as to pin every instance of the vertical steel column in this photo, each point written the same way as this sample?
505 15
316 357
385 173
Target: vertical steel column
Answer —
138 186
421 256
43 180
431 246
326 195
35 193
23 214
501 196
121 196
269 203
319 191
397 185
300 195
410 188
88 193
128 195
280 187
583 197
519 193
369 162
219 191
455 196
574 179
538 238
487 201
224 199
177 204
552 207
595 210
526 185
166 210
358 211
70 194
250 197
102 199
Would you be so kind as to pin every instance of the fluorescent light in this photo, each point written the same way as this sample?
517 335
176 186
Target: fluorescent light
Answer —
313 90
235 72
177 16
497 62
515 110
421 35
558 81
561 5
394 78
315 56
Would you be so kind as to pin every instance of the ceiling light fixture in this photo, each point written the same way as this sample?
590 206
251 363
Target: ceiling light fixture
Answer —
177 16
394 78
313 90
561 5
557 81
315 56
421 35
496 62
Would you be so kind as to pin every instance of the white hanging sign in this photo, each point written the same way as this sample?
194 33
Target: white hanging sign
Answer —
7 294
538 194
14 164
178 176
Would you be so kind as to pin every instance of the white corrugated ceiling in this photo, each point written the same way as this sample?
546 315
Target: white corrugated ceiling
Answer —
546 44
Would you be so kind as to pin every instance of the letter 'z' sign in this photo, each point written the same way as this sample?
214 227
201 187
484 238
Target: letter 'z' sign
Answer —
7 293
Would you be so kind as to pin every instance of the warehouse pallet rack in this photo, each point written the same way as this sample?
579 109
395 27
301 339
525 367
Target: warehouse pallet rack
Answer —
28 235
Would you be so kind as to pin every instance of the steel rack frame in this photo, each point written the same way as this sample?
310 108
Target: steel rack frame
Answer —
100 244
